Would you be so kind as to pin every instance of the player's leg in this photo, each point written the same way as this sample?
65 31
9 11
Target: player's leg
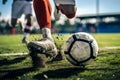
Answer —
43 14
17 11
43 11
28 16
15 14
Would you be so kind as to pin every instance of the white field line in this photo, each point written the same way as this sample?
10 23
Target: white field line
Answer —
21 54
13 54
12 45
112 47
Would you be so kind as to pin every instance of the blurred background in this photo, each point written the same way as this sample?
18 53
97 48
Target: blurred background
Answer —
93 16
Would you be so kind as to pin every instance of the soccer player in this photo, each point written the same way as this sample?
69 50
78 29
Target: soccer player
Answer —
20 7
43 12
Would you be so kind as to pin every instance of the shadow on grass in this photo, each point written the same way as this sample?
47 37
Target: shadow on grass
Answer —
7 72
8 62
59 73
75 71
13 74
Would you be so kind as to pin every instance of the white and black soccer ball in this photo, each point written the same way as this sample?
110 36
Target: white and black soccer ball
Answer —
80 48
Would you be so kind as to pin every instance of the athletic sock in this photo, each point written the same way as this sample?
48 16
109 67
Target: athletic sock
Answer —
46 33
26 35
27 31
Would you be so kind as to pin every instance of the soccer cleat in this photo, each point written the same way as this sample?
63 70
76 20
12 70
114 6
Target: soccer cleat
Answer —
44 46
24 40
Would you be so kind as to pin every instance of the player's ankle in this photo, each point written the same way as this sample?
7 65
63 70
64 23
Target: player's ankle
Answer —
46 33
25 35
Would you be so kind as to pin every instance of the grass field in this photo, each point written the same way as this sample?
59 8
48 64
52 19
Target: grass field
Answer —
105 67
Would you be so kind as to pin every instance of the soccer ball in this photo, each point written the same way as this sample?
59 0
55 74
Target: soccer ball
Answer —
80 48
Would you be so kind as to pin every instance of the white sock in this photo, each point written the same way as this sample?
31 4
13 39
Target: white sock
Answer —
30 28
26 35
46 32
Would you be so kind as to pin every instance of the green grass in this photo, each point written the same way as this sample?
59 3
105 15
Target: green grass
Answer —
107 40
12 43
105 67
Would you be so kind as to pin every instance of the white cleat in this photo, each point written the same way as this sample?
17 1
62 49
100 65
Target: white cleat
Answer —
44 46
24 40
